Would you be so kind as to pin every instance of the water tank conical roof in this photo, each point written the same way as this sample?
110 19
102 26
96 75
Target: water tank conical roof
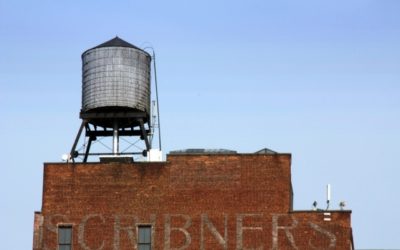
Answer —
116 42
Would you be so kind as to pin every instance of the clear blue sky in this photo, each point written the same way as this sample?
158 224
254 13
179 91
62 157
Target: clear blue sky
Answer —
318 79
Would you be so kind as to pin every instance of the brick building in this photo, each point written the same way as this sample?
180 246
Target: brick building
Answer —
190 201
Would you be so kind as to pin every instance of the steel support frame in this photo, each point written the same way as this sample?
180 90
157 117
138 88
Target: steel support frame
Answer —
93 134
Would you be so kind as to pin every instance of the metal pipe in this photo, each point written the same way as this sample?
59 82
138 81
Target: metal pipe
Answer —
158 107
126 153
115 139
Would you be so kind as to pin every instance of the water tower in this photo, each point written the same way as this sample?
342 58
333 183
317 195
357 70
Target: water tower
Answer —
115 96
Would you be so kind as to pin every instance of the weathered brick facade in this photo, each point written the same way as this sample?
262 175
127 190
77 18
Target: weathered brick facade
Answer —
220 201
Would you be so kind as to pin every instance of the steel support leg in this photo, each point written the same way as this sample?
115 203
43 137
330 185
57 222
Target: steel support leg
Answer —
72 153
144 134
88 149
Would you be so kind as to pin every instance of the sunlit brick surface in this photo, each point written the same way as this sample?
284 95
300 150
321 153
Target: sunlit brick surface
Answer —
232 201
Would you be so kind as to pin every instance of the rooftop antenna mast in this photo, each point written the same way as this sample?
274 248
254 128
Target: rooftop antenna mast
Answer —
328 196
156 107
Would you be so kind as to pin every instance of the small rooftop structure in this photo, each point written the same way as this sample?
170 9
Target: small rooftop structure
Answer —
202 151
216 151
265 151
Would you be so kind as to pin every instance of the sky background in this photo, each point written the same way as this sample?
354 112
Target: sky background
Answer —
317 79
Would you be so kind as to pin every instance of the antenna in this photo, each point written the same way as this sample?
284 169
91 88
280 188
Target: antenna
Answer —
155 124
342 204
156 115
314 205
328 195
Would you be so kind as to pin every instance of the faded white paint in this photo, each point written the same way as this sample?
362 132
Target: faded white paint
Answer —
131 229
275 231
52 227
331 236
180 224
240 228
223 241
81 231
168 229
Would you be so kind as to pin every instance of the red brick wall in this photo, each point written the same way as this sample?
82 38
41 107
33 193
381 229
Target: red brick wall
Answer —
192 201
